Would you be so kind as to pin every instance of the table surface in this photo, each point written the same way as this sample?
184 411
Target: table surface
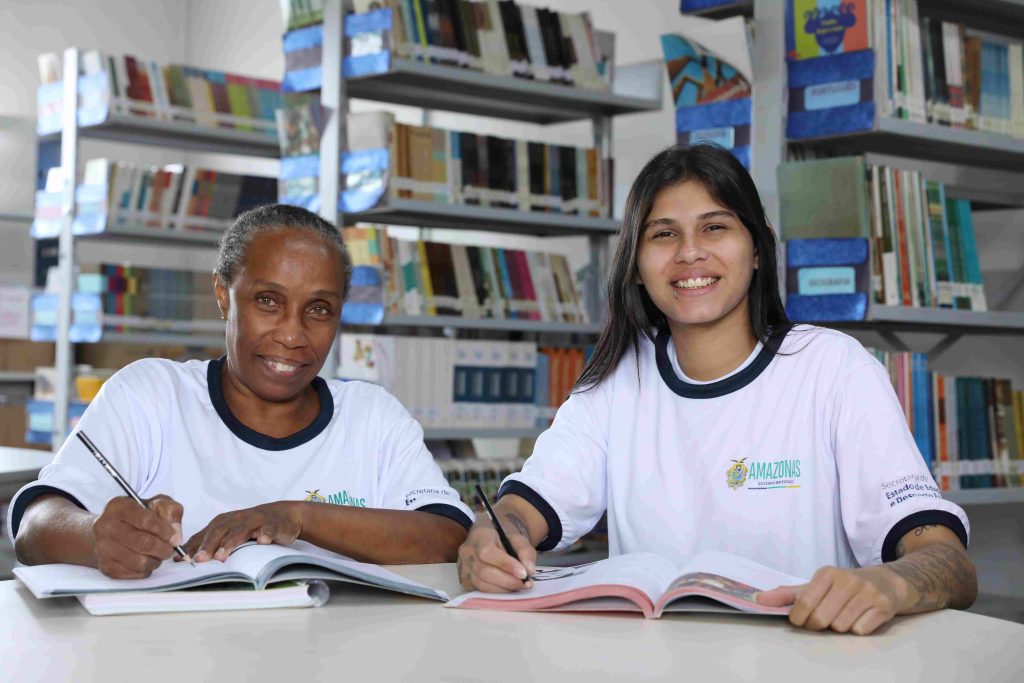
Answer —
375 635
22 464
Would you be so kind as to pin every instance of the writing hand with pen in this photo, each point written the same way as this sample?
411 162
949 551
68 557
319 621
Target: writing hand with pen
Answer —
132 540
498 555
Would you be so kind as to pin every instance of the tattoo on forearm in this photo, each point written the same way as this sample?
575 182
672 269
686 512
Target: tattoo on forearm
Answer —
939 573
519 524
901 548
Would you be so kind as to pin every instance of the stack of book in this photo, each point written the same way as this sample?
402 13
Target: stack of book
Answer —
925 68
463 475
131 86
432 278
468 383
923 249
389 160
172 197
499 37
158 293
946 73
124 298
970 430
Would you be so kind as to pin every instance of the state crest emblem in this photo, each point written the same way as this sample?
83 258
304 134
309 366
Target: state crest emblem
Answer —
315 497
736 475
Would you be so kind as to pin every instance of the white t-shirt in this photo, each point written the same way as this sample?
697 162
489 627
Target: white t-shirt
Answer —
796 460
167 429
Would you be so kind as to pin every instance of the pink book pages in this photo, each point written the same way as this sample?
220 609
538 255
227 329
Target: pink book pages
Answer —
719 588
564 602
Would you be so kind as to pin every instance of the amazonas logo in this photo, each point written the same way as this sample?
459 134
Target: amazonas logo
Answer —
763 475
339 498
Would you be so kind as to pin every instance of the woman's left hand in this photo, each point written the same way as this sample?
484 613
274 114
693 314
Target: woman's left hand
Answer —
279 523
845 600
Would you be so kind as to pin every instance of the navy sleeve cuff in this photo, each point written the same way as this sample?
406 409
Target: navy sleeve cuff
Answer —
449 511
22 502
911 522
520 489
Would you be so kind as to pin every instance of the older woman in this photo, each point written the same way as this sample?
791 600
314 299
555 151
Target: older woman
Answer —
253 445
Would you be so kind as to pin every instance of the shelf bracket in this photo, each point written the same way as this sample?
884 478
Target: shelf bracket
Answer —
1007 297
893 340
944 345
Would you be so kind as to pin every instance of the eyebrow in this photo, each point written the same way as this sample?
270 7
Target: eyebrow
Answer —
717 213
318 294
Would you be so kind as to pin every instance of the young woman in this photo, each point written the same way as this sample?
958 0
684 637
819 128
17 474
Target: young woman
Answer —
705 421
251 446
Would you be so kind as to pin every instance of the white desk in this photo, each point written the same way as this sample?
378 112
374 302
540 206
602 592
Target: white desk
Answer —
17 464
369 635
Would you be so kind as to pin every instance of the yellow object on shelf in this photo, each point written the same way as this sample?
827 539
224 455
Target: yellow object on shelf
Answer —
88 386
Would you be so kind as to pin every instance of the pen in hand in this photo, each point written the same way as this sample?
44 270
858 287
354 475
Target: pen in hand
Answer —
497 525
129 491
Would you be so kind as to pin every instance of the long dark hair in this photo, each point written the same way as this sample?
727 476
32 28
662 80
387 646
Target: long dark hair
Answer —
631 313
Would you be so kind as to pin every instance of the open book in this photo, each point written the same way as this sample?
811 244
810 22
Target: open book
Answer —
256 566
642 582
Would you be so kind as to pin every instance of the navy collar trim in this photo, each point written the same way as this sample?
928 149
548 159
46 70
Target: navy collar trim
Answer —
257 439
721 387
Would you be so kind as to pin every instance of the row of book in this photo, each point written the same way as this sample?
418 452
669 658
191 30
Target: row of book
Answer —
499 37
465 474
159 293
170 197
132 86
468 383
970 430
946 73
122 298
926 68
923 247
432 278
390 160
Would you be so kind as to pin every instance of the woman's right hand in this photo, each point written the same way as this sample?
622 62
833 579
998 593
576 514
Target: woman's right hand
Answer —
132 541
485 566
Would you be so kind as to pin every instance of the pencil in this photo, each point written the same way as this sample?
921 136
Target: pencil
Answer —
129 491
497 525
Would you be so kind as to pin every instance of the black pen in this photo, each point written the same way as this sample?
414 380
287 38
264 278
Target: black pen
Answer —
497 525
112 471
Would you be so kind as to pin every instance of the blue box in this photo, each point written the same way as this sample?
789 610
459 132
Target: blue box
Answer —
831 95
827 279
725 123
697 5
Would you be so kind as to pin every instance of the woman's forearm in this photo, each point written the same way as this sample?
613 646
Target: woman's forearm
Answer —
381 536
516 512
939 575
52 530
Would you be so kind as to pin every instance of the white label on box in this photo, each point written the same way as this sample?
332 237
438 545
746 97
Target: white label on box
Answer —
726 136
14 312
829 95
